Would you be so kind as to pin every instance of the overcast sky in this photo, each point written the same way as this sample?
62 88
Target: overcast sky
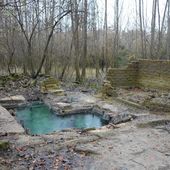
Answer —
128 11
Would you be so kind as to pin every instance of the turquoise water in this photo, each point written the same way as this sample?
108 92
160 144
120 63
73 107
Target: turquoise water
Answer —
39 119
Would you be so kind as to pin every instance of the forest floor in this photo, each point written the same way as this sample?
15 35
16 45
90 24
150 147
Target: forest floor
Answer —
143 143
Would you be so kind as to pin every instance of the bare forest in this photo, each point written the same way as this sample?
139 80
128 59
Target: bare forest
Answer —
68 38
84 84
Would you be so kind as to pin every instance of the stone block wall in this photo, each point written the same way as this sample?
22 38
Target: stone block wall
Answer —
123 77
154 74
143 73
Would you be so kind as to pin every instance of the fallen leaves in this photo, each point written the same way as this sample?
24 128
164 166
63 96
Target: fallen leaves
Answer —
61 162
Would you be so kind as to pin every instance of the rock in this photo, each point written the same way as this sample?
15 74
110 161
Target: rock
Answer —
8 124
152 95
165 94
106 117
58 92
18 99
51 85
158 104
76 110
108 90
12 112
121 118
12 101
107 107
63 106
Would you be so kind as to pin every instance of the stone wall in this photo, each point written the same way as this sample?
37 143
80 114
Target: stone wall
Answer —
143 73
154 74
123 77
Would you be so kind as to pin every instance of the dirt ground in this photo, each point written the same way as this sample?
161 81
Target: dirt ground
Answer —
152 99
143 143
140 144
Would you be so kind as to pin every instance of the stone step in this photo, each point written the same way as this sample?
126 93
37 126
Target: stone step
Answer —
57 91
51 86
50 81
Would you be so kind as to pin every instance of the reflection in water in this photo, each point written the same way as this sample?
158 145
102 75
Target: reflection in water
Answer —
39 119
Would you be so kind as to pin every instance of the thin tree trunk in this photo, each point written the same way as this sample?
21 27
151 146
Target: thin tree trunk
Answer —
75 29
141 28
47 44
168 36
116 38
84 64
161 30
152 49
106 37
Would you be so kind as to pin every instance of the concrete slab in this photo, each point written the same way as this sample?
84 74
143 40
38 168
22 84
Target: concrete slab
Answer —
8 124
18 98
12 101
64 106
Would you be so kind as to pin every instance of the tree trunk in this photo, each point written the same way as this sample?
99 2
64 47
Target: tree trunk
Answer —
116 38
48 42
152 49
75 29
168 36
84 64
141 28
106 37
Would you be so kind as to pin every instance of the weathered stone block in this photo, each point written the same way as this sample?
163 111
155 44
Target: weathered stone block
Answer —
108 90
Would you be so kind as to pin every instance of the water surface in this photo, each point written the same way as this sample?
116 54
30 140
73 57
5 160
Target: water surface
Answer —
39 119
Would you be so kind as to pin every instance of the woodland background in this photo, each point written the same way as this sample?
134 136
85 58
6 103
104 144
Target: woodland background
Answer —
70 38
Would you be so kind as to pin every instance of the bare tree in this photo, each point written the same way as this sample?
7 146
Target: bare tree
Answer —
84 64
106 36
75 31
161 30
141 28
116 37
168 33
69 36
44 56
153 24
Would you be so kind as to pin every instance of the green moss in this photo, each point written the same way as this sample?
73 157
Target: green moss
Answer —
4 145
49 84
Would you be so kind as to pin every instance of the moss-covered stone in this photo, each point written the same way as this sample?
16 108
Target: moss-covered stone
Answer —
108 90
51 85
4 145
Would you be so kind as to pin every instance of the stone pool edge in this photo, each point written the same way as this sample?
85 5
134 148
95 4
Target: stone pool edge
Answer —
82 109
97 107
107 114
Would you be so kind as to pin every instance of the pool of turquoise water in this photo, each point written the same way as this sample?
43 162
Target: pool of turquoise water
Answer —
39 119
